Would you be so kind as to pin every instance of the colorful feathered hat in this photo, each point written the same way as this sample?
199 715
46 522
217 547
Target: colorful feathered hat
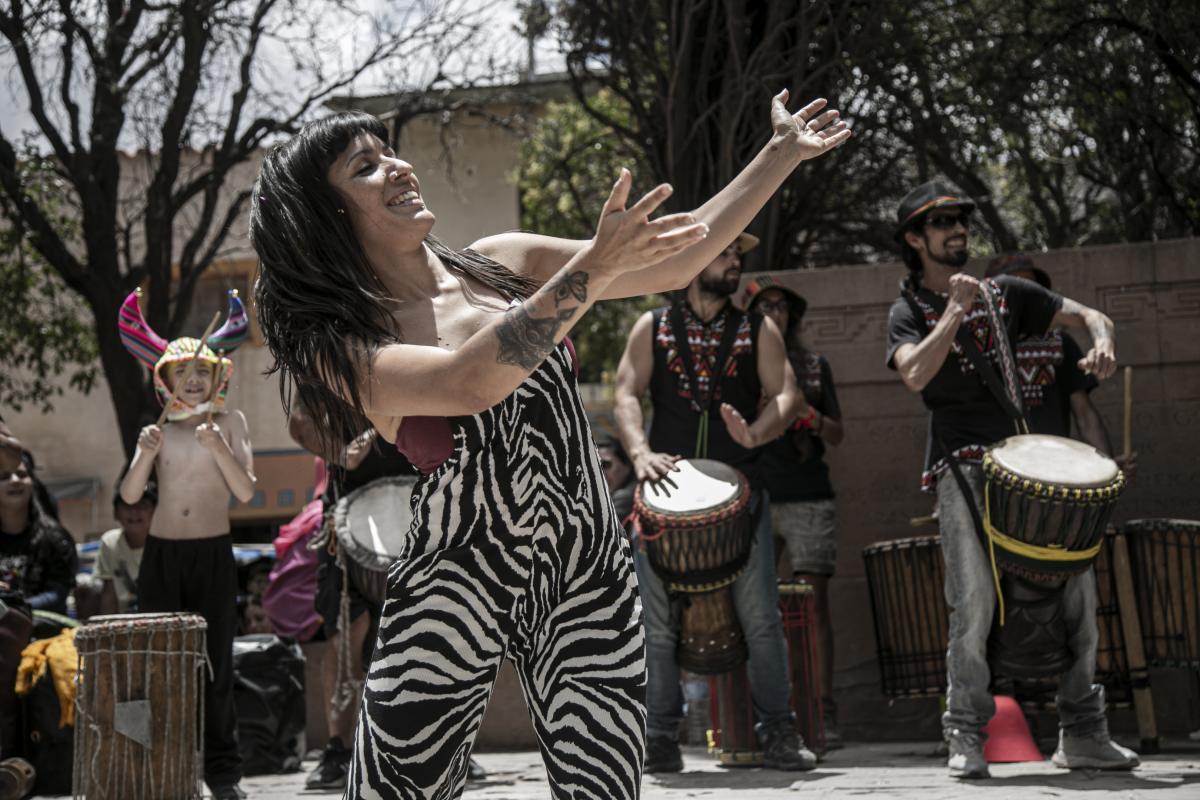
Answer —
155 352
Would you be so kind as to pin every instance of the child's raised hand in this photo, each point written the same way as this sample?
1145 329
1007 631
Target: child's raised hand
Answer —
150 439
208 434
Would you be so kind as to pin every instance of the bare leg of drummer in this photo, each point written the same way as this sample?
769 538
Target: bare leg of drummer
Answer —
1083 727
971 598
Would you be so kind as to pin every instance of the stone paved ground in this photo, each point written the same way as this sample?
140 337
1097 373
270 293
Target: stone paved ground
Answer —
892 770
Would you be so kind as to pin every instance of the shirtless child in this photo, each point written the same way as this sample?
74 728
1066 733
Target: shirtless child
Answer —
188 564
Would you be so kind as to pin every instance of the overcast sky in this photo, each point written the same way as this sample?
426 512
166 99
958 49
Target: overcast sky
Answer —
501 41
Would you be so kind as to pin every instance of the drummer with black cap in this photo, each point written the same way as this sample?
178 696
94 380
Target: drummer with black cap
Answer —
706 397
948 337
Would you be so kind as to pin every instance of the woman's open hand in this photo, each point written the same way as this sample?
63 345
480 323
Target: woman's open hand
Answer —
628 240
810 133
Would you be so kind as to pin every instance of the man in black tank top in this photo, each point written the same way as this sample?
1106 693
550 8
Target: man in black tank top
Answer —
709 368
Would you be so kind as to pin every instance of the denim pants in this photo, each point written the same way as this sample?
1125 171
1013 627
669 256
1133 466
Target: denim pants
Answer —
756 599
971 598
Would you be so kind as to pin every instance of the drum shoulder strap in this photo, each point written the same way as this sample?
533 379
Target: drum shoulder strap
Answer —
733 321
971 351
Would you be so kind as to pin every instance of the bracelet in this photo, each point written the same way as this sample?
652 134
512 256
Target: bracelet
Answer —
807 420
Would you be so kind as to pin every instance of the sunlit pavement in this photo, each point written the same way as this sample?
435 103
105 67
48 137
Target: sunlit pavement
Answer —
892 770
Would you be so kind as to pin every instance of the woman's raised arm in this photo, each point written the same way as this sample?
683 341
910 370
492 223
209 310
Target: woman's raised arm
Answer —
795 138
404 380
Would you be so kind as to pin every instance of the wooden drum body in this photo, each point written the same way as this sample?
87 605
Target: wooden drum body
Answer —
372 525
138 707
1165 558
732 707
1047 503
905 578
698 535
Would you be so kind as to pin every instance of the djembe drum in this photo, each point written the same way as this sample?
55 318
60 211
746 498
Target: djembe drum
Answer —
138 707
372 523
1047 503
905 579
732 707
1165 557
698 536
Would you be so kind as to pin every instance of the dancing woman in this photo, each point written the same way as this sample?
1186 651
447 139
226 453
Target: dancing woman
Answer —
459 358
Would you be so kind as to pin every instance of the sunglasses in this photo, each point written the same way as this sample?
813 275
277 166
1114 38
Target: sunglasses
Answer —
769 306
945 222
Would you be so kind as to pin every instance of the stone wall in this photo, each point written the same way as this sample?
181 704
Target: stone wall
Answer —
1151 291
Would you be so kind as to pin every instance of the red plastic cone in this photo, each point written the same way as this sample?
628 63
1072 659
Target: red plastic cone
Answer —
1009 740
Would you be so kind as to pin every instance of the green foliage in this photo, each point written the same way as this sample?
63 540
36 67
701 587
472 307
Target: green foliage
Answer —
568 163
45 331
1071 122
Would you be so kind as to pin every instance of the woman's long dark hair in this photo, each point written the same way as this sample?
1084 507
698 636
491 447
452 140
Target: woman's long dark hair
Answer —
320 305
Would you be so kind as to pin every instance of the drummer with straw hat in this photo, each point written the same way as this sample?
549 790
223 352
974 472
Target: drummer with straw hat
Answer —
706 365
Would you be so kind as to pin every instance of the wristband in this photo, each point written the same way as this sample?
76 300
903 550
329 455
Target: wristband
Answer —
807 420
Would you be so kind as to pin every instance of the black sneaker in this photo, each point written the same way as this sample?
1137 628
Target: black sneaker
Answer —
230 792
332 769
662 755
784 749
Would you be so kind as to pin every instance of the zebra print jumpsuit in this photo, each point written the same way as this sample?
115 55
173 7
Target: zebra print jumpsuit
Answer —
515 551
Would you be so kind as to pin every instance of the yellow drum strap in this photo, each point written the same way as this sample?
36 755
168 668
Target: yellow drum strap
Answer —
1016 546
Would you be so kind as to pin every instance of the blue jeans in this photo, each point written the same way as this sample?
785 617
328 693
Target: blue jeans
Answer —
971 598
756 599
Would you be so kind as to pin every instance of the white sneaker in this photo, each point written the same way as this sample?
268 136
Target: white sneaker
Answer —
1096 751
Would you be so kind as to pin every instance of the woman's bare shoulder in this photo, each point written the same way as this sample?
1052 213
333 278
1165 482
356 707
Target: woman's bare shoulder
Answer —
530 254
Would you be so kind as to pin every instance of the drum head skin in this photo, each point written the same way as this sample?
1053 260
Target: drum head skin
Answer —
699 484
1055 460
372 522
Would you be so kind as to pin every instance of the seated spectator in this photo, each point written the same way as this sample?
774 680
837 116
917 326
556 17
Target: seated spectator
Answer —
120 554
251 616
12 451
37 557
618 473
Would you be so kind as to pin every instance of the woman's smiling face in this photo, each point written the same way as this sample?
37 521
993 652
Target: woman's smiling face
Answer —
381 193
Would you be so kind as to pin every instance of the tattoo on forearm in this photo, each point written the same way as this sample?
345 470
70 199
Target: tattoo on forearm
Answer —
571 285
525 341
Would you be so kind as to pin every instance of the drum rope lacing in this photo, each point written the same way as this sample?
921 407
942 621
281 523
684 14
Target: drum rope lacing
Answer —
663 521
86 723
346 687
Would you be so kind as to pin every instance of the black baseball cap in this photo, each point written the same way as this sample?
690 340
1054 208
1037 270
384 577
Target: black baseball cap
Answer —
923 199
